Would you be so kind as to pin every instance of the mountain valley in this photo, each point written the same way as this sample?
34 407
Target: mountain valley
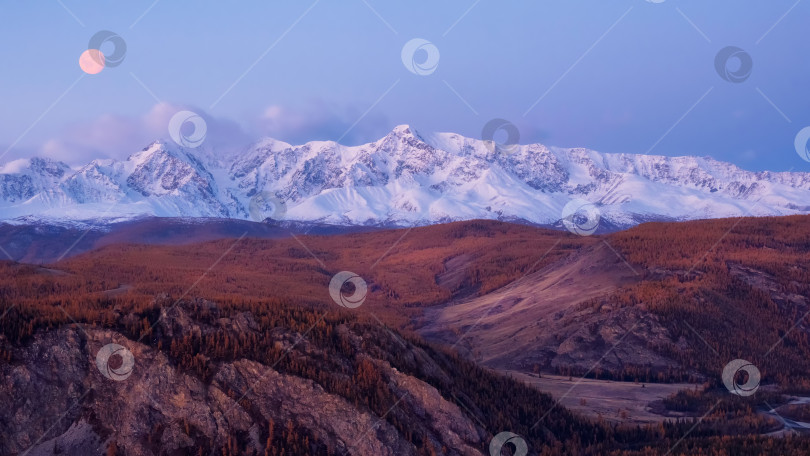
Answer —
237 341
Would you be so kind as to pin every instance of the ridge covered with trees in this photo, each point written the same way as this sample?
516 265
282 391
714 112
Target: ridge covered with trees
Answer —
742 294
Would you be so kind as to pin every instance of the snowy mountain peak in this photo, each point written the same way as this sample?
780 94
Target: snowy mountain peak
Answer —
159 150
401 178
23 179
269 144
406 131
37 165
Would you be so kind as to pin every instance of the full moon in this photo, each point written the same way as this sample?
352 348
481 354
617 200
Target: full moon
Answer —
92 61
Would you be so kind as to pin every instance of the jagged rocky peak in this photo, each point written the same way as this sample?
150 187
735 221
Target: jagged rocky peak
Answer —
158 150
25 178
403 138
41 166
46 166
405 130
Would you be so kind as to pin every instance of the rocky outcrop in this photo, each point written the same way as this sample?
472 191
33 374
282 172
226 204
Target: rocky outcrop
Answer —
58 400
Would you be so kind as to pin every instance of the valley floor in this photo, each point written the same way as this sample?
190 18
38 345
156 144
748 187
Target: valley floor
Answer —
615 402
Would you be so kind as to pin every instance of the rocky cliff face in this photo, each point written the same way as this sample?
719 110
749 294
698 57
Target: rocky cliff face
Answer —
58 401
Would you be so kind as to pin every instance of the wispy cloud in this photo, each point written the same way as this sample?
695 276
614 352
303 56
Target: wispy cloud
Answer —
117 136
319 121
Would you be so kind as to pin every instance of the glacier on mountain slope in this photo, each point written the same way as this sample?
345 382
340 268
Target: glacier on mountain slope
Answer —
401 179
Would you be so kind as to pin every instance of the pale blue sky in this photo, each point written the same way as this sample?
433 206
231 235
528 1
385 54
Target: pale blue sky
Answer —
617 75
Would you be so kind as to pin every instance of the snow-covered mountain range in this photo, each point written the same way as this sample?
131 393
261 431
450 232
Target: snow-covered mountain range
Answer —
401 179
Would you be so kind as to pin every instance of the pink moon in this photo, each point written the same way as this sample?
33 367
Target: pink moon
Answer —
92 61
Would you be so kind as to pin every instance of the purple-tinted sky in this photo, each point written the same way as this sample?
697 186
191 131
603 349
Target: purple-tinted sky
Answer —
629 76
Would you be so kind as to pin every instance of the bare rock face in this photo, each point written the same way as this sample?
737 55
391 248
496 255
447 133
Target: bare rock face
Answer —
431 406
45 386
59 401
288 398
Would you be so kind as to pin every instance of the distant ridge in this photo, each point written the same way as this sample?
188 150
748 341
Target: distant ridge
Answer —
401 179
